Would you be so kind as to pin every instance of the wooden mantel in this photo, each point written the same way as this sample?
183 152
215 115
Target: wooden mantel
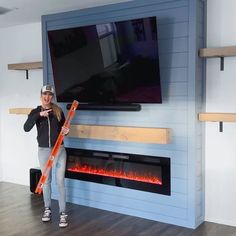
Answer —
121 133
113 133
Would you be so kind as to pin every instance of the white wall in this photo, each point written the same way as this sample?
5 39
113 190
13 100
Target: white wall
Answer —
220 154
18 150
1 169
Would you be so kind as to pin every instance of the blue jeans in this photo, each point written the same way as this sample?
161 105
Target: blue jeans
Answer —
60 167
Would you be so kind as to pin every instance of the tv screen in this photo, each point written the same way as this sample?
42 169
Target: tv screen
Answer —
111 63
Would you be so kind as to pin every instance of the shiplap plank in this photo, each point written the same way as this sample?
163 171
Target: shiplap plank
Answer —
199 183
174 89
200 29
129 193
141 205
179 185
173 45
173 75
157 4
177 156
199 195
149 117
178 200
173 60
178 14
168 103
176 144
179 171
170 31
174 102
199 210
128 211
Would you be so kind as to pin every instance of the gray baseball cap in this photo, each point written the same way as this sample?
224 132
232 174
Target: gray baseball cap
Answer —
47 88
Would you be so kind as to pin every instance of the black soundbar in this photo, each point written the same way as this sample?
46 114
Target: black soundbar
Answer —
97 107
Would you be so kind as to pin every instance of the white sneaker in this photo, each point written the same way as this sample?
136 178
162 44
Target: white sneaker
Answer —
46 214
63 220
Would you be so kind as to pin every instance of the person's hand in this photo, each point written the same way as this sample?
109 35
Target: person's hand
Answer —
45 113
65 130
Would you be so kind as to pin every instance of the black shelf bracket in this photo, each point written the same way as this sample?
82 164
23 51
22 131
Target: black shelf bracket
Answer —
222 60
221 126
27 74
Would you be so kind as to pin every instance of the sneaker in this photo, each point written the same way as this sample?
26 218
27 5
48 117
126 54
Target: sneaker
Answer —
63 220
46 214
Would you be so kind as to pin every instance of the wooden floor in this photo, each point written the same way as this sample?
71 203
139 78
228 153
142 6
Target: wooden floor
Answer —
21 211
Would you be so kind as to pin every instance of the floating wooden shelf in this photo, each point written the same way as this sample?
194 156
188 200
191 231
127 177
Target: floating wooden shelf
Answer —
26 66
113 133
20 111
224 117
217 117
218 52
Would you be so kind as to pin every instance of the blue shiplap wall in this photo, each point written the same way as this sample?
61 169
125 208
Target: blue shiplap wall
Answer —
180 33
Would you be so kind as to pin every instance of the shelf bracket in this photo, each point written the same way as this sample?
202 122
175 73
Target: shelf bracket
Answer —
221 126
26 66
222 63
27 74
218 117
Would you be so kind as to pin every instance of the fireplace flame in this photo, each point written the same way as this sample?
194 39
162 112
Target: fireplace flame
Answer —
148 178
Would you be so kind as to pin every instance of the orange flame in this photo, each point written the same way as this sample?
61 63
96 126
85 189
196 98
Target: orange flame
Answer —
116 174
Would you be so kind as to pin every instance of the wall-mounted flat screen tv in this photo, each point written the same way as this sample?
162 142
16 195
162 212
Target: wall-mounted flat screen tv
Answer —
110 63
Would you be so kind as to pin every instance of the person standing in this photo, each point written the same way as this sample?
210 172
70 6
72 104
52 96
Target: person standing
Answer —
49 119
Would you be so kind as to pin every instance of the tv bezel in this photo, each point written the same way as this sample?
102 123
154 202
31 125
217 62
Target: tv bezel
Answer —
116 106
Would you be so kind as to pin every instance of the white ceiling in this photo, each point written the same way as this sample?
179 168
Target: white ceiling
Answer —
30 11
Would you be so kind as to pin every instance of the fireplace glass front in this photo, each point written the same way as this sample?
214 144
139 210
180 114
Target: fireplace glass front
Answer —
140 172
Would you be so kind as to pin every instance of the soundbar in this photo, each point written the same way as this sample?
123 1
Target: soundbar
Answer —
97 107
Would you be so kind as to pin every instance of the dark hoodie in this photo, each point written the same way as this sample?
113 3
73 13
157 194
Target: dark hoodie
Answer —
48 127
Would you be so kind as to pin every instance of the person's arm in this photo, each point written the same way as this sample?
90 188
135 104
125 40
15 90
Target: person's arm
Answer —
32 118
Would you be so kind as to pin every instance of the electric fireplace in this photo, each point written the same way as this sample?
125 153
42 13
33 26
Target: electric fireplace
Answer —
140 172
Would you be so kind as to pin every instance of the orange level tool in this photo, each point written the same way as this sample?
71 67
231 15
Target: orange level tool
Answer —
55 149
